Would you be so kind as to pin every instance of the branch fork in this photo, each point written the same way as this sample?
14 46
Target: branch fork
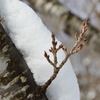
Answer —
54 49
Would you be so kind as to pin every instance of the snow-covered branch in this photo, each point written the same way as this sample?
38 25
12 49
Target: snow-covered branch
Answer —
15 76
31 38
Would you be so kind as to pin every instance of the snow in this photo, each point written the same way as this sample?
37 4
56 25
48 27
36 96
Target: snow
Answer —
32 38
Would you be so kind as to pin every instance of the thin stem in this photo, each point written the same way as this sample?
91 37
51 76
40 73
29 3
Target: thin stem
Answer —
77 47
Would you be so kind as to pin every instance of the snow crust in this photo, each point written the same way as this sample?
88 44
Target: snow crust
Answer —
32 38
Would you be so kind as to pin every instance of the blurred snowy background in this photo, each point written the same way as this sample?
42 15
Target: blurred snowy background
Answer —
86 63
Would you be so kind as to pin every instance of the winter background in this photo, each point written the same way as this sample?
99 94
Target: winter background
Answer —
31 38
86 63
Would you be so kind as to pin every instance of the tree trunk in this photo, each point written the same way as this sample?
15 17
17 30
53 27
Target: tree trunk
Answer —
16 79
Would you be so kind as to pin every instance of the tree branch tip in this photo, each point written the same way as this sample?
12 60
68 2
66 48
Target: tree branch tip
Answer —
45 54
80 46
65 50
77 47
53 35
50 50
85 39
61 46
85 23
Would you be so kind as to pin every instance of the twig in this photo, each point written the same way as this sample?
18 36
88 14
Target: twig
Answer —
79 39
77 47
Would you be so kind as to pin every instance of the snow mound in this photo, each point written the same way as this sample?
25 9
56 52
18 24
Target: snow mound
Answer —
32 38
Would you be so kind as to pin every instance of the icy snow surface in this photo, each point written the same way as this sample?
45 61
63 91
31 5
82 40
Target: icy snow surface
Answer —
31 37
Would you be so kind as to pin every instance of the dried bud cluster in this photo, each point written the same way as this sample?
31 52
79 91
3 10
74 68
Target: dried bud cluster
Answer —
54 49
80 39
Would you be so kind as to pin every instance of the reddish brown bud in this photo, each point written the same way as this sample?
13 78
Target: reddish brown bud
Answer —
53 42
63 48
56 43
60 46
45 54
83 23
50 50
53 35
85 39
80 46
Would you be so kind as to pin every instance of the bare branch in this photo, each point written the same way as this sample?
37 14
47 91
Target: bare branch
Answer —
79 39
54 49
47 57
